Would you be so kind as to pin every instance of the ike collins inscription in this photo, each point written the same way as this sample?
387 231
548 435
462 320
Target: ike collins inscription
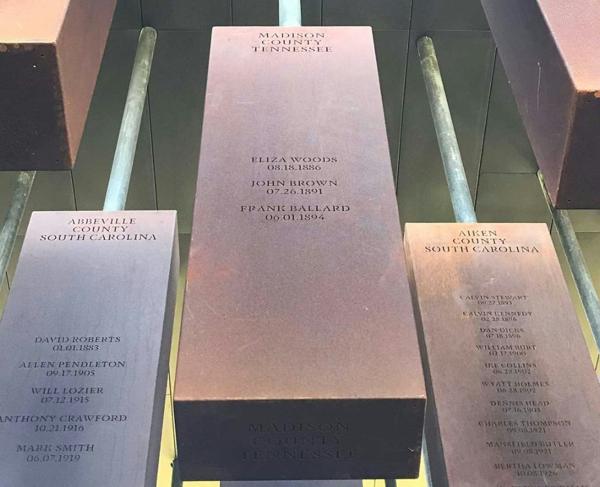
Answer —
299 356
513 400
84 345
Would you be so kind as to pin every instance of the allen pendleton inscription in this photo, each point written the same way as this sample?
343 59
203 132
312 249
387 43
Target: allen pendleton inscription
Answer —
513 398
299 355
84 345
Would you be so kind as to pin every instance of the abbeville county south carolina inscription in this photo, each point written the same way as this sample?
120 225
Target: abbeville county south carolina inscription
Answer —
299 356
84 345
514 401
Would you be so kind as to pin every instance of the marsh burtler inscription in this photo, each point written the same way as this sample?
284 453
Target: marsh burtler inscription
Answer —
84 344
514 398
299 355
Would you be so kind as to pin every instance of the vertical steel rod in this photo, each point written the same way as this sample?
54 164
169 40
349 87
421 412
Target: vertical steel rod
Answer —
460 194
583 280
14 215
118 185
290 13
120 175
579 270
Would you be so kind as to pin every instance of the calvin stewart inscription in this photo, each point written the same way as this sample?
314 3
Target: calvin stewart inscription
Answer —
297 441
292 42
100 229
295 188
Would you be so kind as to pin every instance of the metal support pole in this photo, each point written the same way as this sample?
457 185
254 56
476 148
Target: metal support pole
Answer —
120 175
579 270
118 185
583 280
290 13
176 478
460 194
8 234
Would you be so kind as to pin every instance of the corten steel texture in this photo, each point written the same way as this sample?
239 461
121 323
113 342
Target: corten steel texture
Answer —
513 397
50 55
549 49
84 347
299 357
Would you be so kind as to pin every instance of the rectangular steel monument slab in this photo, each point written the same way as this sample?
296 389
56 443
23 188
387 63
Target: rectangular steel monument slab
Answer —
550 51
513 398
299 357
50 55
84 345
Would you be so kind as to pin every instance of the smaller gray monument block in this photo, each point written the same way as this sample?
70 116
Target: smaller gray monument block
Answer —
84 344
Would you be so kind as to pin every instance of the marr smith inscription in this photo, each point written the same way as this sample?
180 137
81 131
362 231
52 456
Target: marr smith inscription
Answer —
514 400
84 345
299 356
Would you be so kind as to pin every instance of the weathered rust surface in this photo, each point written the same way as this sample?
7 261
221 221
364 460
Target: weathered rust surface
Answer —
513 400
50 56
298 356
549 49
84 347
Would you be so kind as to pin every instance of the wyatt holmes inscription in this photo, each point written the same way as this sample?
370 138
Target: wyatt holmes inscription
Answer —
291 42
296 282
516 399
80 387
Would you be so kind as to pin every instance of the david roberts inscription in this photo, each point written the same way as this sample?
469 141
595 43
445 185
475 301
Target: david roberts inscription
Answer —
514 400
299 356
84 344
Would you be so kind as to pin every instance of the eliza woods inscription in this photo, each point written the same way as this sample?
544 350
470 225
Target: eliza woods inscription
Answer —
80 385
515 400
299 357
